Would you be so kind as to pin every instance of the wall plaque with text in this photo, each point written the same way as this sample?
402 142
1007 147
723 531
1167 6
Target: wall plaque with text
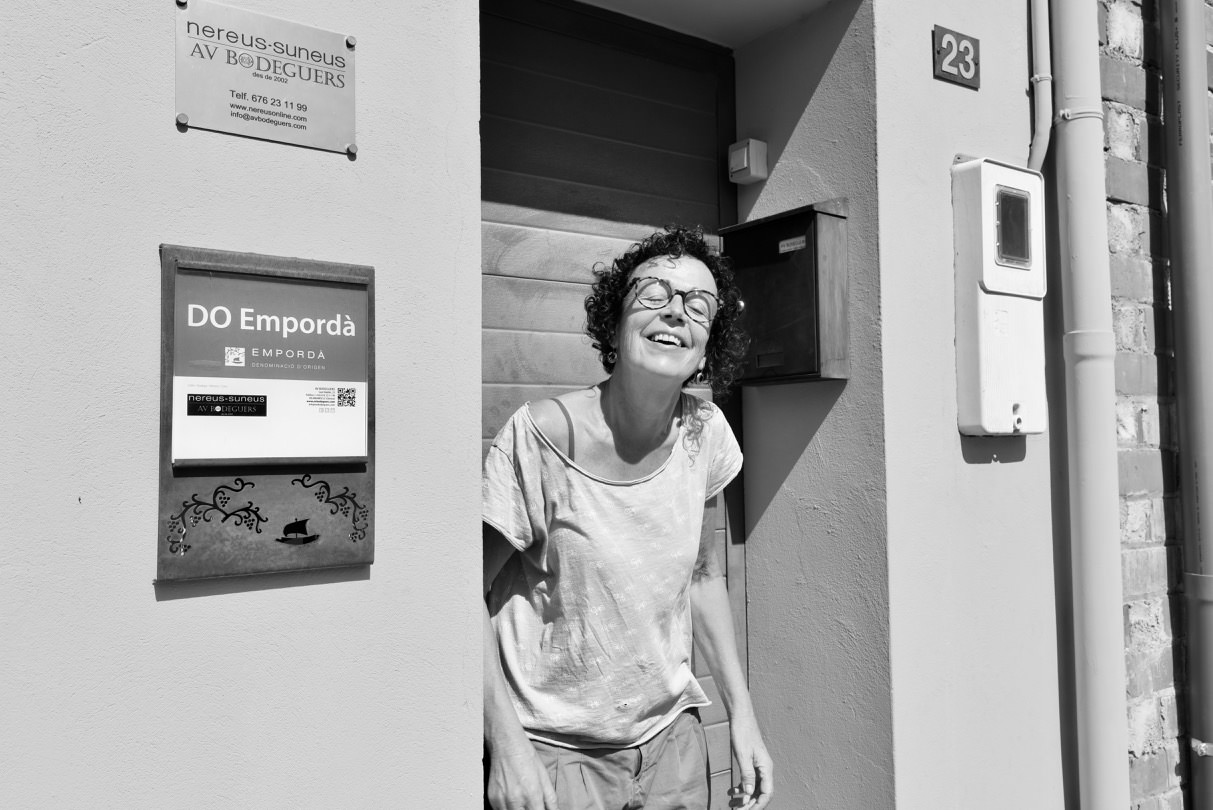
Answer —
264 77
267 414
267 367
957 57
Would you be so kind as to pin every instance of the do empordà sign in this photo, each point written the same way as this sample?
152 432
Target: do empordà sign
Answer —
268 367
264 77
220 317
267 414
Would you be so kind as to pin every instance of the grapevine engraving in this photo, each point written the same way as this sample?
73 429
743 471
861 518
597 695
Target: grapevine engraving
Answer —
199 510
344 502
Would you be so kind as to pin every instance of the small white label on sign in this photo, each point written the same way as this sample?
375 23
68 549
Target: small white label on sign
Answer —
795 243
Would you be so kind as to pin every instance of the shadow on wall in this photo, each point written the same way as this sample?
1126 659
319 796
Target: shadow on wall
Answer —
787 105
222 586
993 449
799 409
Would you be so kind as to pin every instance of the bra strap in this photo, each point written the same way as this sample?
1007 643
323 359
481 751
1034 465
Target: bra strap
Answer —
569 420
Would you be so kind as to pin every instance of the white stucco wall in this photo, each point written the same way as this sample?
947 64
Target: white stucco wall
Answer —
325 690
975 707
814 477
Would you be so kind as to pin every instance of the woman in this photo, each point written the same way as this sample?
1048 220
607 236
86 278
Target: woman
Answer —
597 562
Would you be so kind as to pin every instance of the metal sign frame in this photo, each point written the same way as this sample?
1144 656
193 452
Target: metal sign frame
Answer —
228 516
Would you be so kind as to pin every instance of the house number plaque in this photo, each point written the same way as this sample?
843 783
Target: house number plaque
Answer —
957 57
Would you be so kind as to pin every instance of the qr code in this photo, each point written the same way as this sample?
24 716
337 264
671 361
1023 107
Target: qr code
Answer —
233 355
345 397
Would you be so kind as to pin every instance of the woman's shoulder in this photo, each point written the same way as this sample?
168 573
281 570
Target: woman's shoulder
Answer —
704 423
699 409
555 416
547 416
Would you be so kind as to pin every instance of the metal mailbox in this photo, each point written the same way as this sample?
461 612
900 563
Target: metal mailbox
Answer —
792 270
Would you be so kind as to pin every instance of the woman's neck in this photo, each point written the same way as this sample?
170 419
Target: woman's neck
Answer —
638 414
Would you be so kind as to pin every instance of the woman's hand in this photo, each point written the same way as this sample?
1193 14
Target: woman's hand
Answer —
757 773
517 778
712 624
518 781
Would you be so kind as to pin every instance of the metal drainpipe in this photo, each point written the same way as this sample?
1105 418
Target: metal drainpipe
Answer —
1042 85
1099 664
1189 216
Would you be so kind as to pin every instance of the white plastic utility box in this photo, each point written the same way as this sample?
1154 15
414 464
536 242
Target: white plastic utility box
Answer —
998 217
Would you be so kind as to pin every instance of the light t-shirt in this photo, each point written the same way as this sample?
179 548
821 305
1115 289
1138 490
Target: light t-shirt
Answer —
593 616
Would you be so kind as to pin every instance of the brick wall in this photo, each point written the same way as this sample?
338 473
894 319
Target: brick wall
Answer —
1145 407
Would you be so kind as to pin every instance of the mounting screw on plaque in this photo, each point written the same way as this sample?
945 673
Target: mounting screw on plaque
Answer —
351 149
183 120
350 42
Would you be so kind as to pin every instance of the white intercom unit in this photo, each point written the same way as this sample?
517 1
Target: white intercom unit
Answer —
748 161
998 217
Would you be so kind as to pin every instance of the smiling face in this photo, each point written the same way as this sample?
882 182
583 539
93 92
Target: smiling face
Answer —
664 342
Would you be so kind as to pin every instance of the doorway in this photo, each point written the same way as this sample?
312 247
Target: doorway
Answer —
596 131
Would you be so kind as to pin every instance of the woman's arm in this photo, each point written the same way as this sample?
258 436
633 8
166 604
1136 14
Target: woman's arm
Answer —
712 623
517 779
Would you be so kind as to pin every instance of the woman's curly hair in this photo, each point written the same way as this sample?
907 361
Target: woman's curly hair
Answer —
604 305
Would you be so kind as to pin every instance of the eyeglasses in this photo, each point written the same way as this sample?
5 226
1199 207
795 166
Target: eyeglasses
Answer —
655 293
